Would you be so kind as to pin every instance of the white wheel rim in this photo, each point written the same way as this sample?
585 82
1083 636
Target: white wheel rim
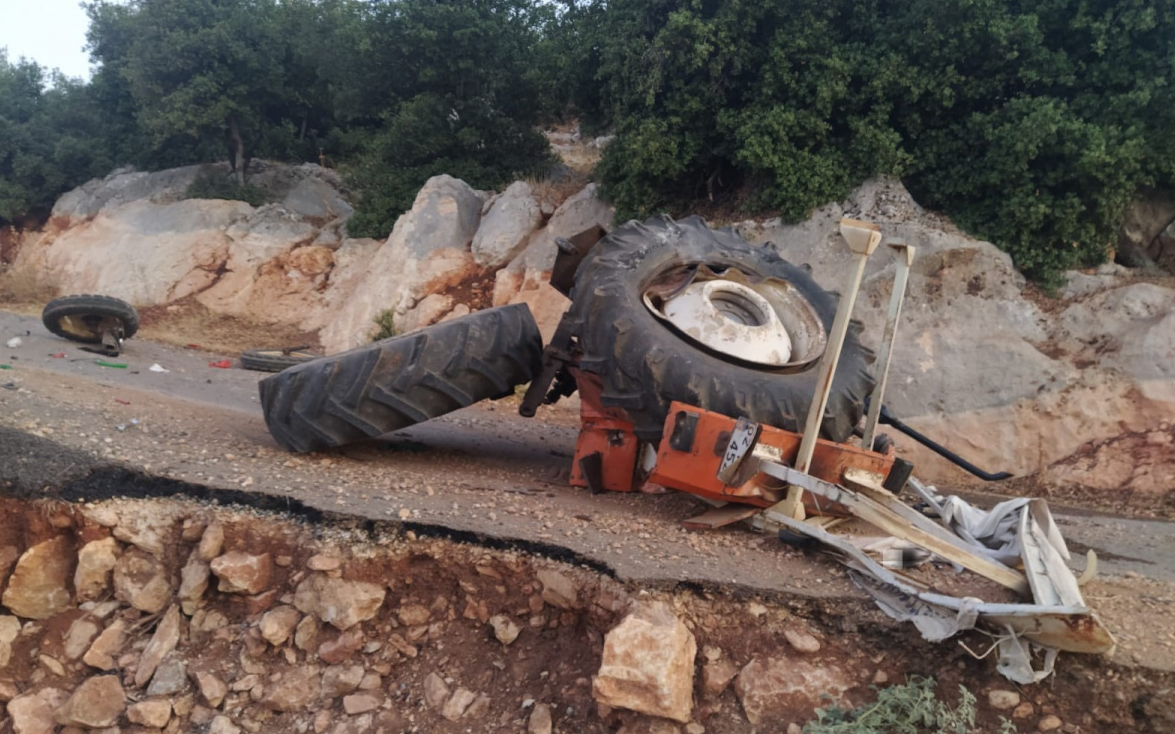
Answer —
732 319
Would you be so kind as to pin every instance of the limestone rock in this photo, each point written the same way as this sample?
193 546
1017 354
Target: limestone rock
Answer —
193 582
171 677
1052 722
1003 700
361 703
306 633
98 702
801 640
558 589
774 689
211 542
223 725
154 714
339 680
9 631
540 720
648 664
505 629
141 580
143 530
412 615
80 636
36 713
8 556
323 562
212 688
166 637
96 559
717 675
108 644
38 587
428 248
507 224
342 647
338 602
243 573
436 693
295 690
455 707
278 624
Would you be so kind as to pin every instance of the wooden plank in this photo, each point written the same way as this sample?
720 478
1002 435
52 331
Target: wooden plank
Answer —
720 517
949 547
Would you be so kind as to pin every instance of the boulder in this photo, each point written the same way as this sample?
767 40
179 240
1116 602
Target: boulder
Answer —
1140 240
9 631
341 647
96 559
317 199
505 629
457 704
108 644
361 703
141 580
717 675
427 251
123 186
278 624
648 664
525 279
97 703
38 587
36 713
506 226
243 573
211 542
212 688
778 689
998 379
166 637
338 602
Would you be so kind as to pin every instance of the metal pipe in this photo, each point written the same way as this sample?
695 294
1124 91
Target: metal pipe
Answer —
889 419
903 259
862 239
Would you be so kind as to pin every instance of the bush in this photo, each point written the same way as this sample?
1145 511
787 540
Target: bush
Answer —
212 184
1032 123
911 708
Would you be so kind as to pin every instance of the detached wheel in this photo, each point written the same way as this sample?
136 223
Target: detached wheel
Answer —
275 360
672 310
85 318
397 382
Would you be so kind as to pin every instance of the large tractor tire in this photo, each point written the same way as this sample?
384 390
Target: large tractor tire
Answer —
397 382
645 362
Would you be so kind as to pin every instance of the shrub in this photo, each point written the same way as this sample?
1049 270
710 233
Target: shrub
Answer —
910 708
213 184
1032 123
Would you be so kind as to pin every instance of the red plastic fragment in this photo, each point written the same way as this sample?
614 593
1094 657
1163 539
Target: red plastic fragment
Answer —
223 364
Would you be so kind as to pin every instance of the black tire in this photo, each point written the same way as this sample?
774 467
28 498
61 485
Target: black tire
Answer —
645 365
275 360
394 383
84 313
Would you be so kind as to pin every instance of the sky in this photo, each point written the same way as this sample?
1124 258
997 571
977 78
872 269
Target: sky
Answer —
50 32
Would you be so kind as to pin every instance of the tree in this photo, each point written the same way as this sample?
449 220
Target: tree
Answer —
50 138
199 70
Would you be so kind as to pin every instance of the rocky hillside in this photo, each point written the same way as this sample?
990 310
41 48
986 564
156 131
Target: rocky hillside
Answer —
1079 389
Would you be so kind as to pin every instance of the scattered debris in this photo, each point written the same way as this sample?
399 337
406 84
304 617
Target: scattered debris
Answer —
15 342
158 368
223 364
112 365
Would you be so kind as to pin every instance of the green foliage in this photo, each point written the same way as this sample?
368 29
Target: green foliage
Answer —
911 708
467 90
385 325
211 184
1032 123
46 138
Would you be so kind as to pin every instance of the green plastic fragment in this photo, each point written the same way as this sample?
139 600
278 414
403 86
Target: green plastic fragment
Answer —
5 366
115 365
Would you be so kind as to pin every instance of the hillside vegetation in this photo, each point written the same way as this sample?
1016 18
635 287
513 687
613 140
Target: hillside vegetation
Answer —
1033 124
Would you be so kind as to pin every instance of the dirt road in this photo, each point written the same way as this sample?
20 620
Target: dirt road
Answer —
484 472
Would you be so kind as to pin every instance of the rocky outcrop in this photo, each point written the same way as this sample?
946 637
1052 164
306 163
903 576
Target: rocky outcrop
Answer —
1012 382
